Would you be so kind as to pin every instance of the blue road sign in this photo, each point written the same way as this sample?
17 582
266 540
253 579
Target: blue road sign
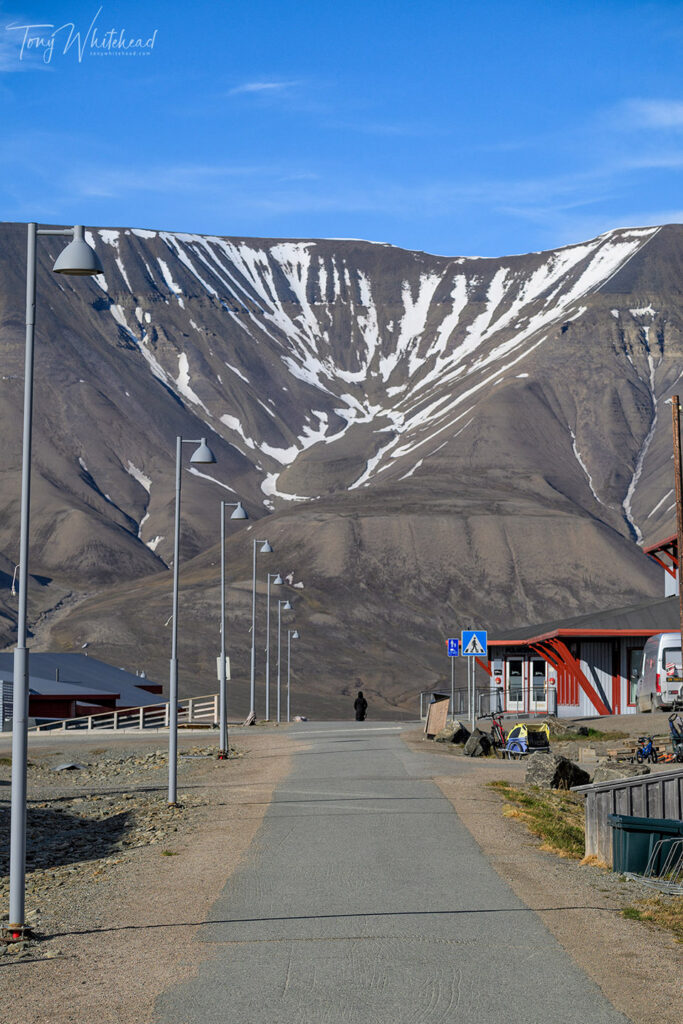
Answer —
453 645
473 642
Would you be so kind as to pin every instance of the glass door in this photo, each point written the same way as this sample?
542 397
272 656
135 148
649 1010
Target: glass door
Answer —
538 698
514 692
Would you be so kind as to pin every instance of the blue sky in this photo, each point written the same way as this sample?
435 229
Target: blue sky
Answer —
478 128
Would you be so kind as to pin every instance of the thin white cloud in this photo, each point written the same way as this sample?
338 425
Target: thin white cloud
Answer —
639 113
262 87
11 57
108 181
398 129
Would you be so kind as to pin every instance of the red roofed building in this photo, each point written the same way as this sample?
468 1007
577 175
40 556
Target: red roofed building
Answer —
587 665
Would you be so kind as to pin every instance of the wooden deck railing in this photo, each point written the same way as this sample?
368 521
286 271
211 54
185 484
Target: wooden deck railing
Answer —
200 710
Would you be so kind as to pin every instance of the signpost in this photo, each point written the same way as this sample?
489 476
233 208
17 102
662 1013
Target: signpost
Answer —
453 643
474 644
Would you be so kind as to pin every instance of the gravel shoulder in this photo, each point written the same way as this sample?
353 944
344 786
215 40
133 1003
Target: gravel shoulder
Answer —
637 967
118 883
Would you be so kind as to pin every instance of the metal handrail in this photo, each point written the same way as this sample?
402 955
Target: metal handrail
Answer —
146 716
664 869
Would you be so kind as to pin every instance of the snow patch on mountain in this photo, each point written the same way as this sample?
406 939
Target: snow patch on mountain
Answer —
206 476
580 461
170 283
455 331
183 382
232 423
138 475
660 503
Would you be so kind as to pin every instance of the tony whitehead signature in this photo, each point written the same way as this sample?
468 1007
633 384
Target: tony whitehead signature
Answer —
46 39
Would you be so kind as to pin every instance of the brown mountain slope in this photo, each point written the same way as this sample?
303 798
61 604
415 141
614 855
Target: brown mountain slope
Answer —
431 442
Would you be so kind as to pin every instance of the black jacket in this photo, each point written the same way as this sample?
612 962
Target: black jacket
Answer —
360 706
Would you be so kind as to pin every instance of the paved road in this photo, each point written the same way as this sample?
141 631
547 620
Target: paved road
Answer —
366 900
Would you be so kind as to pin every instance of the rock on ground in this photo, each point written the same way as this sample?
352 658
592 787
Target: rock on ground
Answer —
478 745
461 734
607 772
552 771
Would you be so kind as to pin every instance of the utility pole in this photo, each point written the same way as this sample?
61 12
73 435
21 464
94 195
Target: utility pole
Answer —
678 475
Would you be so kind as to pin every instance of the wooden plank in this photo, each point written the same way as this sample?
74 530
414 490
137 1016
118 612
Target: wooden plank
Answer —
437 716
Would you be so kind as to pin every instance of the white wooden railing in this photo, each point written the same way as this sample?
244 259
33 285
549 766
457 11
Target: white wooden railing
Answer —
200 710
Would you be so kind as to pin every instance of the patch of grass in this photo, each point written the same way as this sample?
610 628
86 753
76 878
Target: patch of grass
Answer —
664 911
169 853
555 816
7 761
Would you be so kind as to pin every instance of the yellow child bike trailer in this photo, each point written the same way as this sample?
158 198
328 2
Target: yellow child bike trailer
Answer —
527 737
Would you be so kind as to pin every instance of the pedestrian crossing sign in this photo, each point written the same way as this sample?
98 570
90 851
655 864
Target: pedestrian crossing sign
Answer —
474 642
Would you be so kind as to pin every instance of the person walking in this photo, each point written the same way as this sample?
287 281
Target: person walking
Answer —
360 706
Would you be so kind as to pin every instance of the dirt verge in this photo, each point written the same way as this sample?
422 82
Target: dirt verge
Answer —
638 968
118 929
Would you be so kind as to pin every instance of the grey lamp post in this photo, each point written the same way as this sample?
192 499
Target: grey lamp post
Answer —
287 607
202 455
78 259
277 582
224 751
292 634
265 550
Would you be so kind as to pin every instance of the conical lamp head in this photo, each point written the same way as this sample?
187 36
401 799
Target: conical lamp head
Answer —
78 258
240 512
295 634
203 453
287 606
277 582
266 549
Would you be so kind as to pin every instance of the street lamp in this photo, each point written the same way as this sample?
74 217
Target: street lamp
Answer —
265 550
224 747
277 582
77 258
202 455
292 634
287 607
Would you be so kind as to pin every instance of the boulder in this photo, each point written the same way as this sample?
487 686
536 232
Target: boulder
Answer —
445 735
552 771
478 744
558 727
461 734
607 772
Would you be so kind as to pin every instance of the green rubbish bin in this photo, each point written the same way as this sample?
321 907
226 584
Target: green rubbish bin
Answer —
633 840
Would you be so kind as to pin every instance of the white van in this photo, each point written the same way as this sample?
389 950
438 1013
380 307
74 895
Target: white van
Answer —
660 685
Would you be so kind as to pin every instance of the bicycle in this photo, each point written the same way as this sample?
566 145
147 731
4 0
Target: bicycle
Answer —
497 733
647 751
